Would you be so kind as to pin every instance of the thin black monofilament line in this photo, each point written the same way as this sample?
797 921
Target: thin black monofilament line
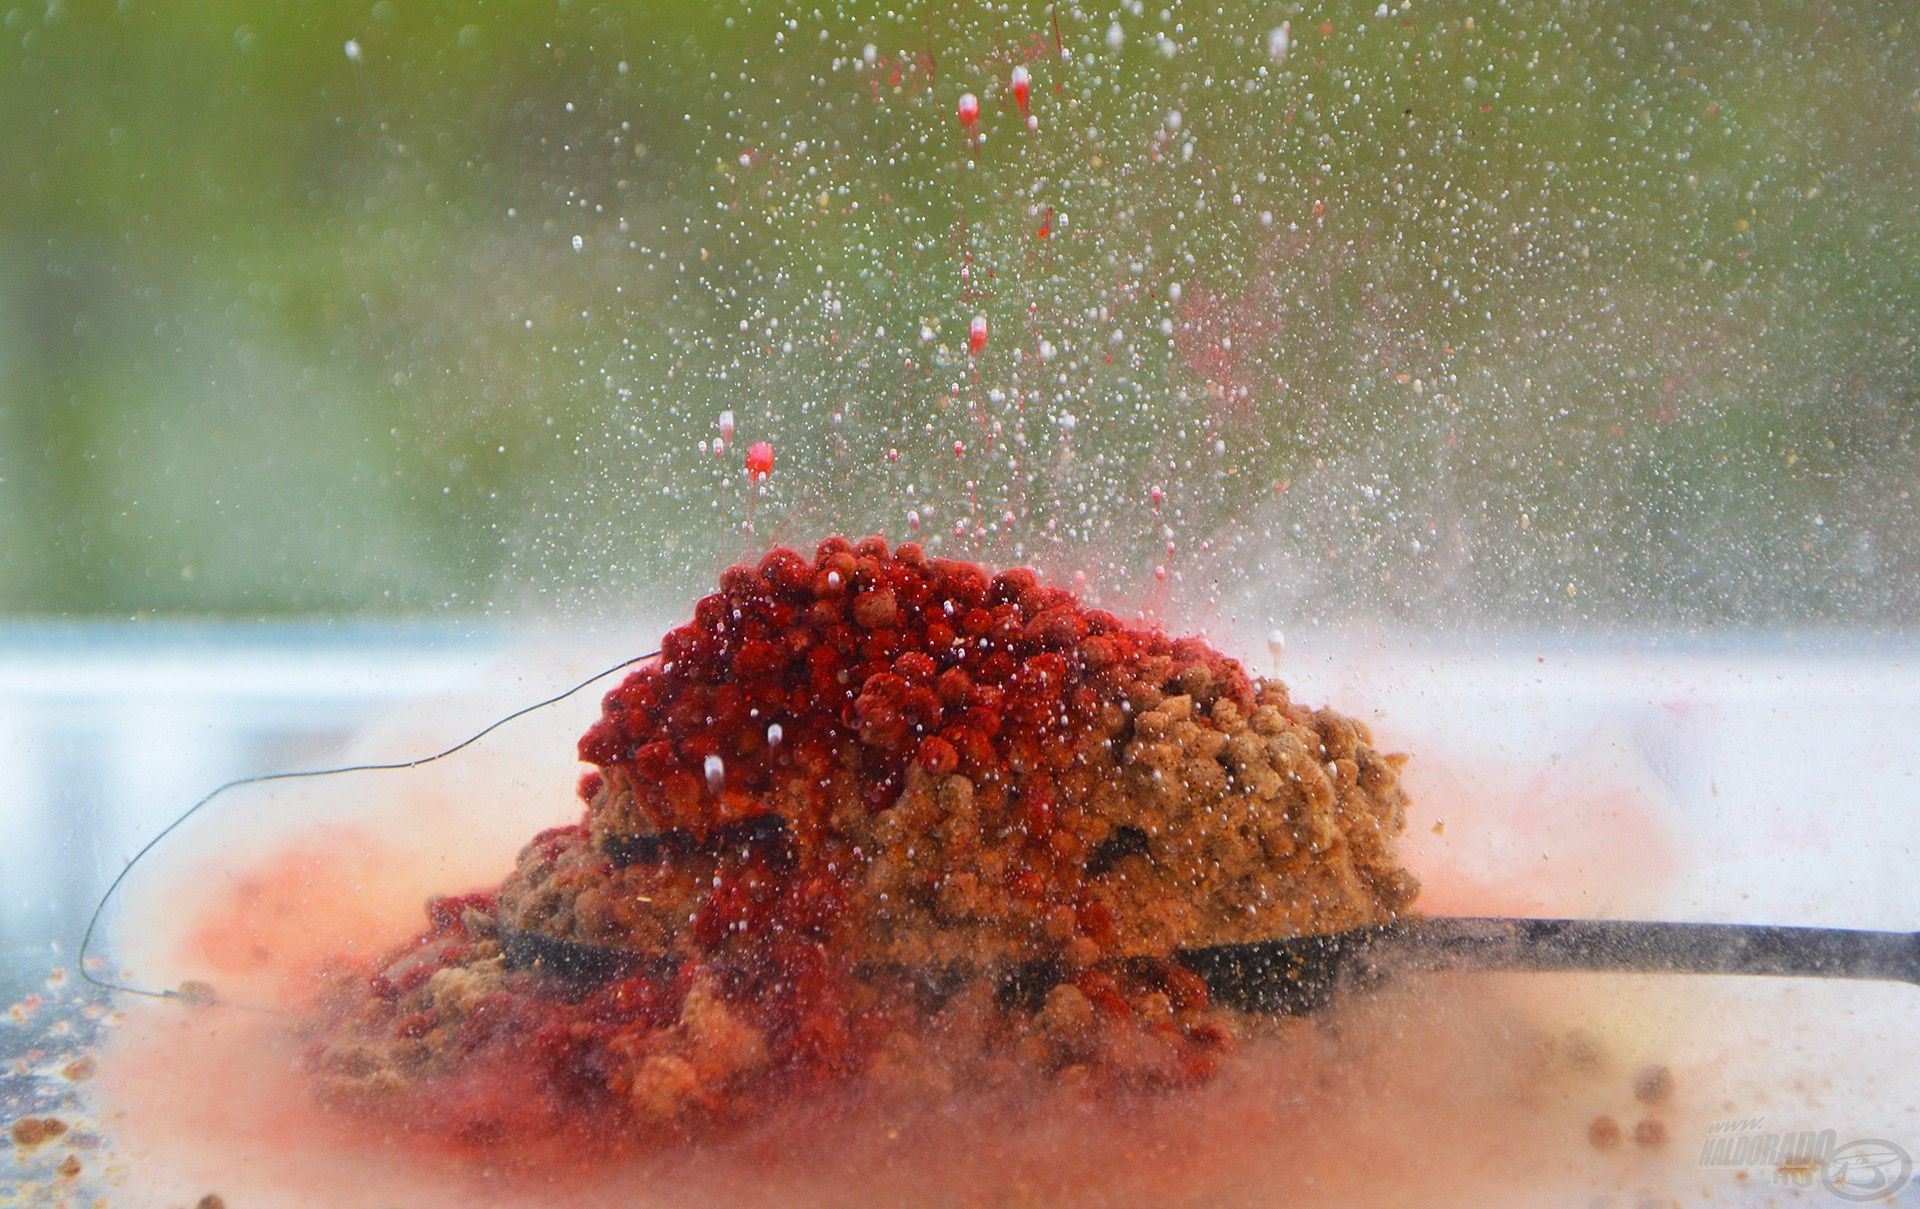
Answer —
93 921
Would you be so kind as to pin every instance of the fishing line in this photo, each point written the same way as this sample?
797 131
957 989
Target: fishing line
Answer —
93 922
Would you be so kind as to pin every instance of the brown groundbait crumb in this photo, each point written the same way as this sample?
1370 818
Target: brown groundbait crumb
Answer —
29 1132
210 1201
78 1071
854 771
1650 1133
69 1167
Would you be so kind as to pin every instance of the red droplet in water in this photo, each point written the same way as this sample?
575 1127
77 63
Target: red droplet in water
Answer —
969 110
1046 225
1157 496
759 460
977 335
1022 87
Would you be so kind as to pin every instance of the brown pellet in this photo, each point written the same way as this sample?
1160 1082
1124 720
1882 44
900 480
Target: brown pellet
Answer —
29 1132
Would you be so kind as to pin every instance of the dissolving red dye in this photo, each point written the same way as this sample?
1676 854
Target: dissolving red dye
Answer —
759 460
969 111
977 335
1022 85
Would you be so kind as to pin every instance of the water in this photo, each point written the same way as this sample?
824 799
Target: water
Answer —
108 732
1540 377
1632 779
1565 313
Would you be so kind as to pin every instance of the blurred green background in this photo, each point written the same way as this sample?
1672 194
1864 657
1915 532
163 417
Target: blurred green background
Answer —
1559 313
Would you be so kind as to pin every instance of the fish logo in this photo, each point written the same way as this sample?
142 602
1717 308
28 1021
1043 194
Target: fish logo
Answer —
1867 1169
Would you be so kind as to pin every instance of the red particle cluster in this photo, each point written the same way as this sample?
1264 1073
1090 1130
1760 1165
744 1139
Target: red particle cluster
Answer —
868 659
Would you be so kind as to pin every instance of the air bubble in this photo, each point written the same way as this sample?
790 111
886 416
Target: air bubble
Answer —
1279 42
